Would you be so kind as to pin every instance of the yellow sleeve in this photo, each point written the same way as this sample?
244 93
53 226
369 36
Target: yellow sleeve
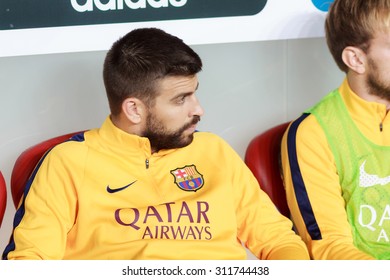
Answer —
264 231
314 196
48 212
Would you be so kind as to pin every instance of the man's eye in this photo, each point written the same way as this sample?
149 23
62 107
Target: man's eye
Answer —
181 100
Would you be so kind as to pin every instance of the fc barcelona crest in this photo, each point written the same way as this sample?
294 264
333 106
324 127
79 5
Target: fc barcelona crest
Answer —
188 178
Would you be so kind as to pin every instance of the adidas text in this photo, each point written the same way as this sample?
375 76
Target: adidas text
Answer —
120 4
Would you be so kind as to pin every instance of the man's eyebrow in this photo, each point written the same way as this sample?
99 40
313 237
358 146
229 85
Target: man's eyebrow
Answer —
185 93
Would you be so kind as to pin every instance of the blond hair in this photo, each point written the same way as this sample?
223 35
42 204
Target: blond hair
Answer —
354 23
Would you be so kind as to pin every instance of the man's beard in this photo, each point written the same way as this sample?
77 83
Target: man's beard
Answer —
376 86
160 139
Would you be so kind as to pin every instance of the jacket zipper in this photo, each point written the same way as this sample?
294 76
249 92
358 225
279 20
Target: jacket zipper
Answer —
147 164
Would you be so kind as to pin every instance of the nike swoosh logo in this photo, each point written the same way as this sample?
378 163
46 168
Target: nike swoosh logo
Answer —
370 180
119 189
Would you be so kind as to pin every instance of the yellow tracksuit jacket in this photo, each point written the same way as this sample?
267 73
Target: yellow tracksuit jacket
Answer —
327 232
104 195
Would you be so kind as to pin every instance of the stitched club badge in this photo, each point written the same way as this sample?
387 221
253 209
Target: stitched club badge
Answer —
188 178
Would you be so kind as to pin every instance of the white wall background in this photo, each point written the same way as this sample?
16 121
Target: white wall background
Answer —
244 88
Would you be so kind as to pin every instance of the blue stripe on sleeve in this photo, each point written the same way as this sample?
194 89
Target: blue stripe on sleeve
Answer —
298 183
21 210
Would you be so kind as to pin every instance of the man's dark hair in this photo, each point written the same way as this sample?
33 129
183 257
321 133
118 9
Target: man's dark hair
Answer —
143 56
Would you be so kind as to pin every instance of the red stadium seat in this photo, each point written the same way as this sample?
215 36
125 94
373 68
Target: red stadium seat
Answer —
3 197
263 159
26 163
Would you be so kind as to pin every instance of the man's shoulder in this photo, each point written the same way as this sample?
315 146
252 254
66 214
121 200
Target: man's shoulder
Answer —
209 139
207 136
75 145
304 129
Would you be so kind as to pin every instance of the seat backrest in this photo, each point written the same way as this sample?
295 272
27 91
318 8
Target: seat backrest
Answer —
263 158
26 162
3 197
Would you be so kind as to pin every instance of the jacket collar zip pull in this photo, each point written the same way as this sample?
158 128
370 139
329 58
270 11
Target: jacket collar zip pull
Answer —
147 163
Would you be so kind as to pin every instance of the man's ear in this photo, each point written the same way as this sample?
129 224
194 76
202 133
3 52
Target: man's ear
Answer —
355 58
133 108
